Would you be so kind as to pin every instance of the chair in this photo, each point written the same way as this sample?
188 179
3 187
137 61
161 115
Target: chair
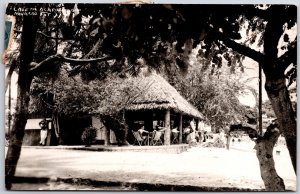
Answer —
175 136
156 137
138 138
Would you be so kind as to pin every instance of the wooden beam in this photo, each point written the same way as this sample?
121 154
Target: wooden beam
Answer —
167 135
180 128
197 124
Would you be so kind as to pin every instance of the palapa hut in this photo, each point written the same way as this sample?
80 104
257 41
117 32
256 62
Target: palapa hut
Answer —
159 101
143 100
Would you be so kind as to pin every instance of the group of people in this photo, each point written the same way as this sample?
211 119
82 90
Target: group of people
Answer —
190 134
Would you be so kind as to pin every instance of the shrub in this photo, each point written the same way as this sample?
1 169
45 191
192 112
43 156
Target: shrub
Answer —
88 136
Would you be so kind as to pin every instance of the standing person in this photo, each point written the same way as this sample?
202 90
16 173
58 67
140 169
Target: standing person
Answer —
227 136
44 131
193 131
191 136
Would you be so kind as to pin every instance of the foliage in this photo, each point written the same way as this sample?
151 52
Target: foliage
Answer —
88 135
215 95
131 32
162 35
268 110
73 96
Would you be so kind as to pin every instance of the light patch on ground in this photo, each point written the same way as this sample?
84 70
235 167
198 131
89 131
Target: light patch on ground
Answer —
237 167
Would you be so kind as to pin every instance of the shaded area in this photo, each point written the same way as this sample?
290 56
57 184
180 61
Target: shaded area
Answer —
73 184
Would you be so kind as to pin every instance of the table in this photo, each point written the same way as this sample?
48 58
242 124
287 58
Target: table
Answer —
149 137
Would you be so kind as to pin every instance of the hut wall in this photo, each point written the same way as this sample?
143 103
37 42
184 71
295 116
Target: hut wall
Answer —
113 139
32 133
148 121
101 130
71 129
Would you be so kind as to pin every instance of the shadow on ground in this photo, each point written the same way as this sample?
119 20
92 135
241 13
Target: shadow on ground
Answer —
33 183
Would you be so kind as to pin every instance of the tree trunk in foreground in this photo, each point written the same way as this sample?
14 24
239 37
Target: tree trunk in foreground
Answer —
264 152
281 103
17 133
118 127
276 83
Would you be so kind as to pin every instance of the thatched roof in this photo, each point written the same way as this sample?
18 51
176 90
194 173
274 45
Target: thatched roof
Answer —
150 92
157 93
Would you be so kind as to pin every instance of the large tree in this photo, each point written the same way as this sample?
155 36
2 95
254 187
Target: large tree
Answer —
28 68
71 97
163 35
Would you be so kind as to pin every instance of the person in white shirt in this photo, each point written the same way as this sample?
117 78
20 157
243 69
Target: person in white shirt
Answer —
44 131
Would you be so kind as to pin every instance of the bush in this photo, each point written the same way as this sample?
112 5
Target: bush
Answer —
88 136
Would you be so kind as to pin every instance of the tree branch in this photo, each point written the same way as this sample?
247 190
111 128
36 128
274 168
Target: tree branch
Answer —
51 37
76 69
78 61
94 49
40 67
47 36
288 57
244 50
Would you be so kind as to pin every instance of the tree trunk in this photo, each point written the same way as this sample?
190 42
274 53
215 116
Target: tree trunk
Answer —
264 152
11 70
228 139
281 103
118 126
107 137
276 83
24 81
123 133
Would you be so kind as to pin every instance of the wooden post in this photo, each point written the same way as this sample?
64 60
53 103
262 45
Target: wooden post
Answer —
260 100
180 128
107 137
167 136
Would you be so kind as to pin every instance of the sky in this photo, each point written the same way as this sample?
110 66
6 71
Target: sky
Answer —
250 77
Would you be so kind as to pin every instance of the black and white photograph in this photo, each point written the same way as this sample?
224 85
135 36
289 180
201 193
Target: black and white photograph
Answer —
143 96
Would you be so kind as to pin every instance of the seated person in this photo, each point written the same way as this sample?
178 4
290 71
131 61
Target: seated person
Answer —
143 132
190 132
187 130
197 136
161 129
175 130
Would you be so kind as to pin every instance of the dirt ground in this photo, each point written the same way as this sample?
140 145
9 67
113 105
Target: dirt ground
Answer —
210 167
